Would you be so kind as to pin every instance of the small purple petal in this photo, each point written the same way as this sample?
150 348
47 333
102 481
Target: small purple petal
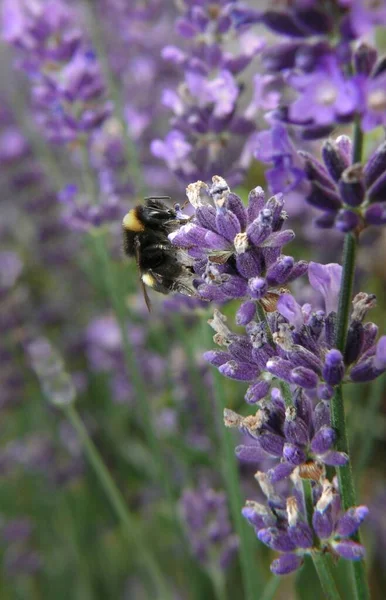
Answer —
376 214
349 523
271 443
258 287
323 524
280 368
235 287
321 416
280 471
346 220
246 313
349 550
253 517
227 224
323 440
333 370
257 391
326 279
252 453
216 357
286 563
278 272
276 539
305 378
364 371
256 201
335 458
206 217
295 429
380 354
241 372
279 239
301 535
333 159
290 309
293 454
376 165
235 205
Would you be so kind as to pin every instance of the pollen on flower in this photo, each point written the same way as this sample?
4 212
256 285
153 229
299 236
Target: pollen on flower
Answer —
241 243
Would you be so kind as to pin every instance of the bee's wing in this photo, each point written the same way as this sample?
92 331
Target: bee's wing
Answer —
144 290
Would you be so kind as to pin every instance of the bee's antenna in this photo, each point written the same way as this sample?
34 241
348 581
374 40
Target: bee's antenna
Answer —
157 198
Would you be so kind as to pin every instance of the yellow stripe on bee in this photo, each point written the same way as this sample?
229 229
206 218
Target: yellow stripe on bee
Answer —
148 279
131 221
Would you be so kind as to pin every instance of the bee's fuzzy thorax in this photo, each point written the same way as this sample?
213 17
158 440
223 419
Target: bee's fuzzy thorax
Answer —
132 222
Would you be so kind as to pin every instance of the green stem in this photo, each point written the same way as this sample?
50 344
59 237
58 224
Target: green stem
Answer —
263 317
345 476
345 296
320 559
286 392
250 567
218 581
89 181
269 592
323 569
115 94
117 502
357 142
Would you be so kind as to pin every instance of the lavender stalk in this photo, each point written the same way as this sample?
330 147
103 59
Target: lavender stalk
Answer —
345 475
59 389
116 500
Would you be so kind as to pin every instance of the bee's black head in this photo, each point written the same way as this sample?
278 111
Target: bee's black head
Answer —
154 213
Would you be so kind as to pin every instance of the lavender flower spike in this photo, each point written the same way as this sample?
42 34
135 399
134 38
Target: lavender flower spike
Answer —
282 525
237 249
205 515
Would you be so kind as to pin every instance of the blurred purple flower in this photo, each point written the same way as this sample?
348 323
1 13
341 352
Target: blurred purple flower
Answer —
205 516
211 130
325 96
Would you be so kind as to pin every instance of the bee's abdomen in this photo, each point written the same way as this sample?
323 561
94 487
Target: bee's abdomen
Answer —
129 244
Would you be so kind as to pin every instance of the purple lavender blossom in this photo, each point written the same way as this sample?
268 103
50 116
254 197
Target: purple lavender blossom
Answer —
282 524
209 132
136 35
301 350
205 515
351 196
67 87
317 64
287 174
297 437
237 250
325 96
83 214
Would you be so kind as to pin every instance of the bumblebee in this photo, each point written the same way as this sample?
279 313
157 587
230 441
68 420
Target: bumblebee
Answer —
162 266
